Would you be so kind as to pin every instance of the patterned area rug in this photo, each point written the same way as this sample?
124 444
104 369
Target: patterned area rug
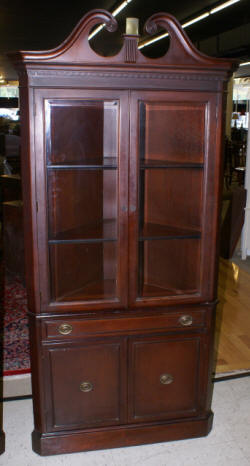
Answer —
16 358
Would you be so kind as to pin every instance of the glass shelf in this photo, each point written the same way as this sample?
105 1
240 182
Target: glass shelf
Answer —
153 231
153 290
102 289
154 163
103 231
91 164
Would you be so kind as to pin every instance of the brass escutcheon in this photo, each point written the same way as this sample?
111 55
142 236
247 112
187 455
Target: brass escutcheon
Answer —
166 379
65 329
86 387
186 320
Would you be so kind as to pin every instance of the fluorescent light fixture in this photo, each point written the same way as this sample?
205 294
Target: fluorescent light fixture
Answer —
114 13
162 36
245 63
222 6
121 7
195 20
151 41
192 21
98 29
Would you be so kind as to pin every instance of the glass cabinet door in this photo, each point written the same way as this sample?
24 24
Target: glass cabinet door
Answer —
83 192
169 162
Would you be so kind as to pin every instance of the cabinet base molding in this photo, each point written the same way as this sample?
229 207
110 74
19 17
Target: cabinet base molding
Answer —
2 442
70 442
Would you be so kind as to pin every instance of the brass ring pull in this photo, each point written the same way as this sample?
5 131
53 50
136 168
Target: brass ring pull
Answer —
186 320
65 329
86 387
166 379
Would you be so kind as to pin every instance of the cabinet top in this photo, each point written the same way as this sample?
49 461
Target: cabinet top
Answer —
76 52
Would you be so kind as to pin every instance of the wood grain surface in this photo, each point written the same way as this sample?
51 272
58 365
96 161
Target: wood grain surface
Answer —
233 318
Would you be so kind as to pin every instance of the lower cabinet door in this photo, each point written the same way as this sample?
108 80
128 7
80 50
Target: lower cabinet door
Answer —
86 385
164 377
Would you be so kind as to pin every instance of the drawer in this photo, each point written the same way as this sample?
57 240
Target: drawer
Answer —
164 377
85 385
71 328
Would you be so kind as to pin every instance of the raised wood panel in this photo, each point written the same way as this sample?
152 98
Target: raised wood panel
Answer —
98 364
153 358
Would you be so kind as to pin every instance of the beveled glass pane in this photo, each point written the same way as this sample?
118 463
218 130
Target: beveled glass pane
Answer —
83 272
82 204
169 267
171 132
82 132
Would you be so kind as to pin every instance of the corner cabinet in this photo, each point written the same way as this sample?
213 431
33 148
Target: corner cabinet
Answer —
121 179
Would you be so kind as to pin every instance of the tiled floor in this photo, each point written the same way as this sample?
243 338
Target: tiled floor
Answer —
228 443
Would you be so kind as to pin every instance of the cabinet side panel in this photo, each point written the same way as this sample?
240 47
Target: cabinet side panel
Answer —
29 196
38 377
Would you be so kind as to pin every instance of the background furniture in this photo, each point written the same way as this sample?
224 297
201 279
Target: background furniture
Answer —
121 169
13 241
232 220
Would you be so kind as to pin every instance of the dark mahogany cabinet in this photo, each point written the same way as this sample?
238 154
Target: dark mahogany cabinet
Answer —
121 164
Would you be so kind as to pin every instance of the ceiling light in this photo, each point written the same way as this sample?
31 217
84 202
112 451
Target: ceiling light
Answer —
223 5
245 63
151 41
121 7
195 20
188 23
162 36
98 29
114 13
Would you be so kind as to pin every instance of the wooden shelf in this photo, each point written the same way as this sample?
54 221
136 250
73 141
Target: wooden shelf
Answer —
105 231
91 164
150 163
153 231
101 289
149 291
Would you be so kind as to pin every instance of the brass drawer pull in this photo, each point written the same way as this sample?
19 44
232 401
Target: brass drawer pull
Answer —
186 320
166 379
86 387
65 329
